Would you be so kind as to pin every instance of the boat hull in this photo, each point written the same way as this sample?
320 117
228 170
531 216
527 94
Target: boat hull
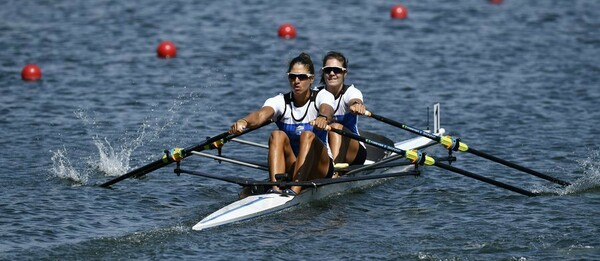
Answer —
259 205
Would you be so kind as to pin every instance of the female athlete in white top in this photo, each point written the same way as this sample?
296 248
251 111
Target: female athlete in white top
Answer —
347 106
299 148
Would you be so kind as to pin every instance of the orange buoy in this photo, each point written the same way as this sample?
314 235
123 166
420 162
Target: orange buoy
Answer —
31 72
287 31
166 49
496 2
399 12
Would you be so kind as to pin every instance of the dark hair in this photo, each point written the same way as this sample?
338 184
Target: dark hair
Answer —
335 55
303 59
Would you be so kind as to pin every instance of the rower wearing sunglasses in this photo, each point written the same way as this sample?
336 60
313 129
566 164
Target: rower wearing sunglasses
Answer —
299 147
347 106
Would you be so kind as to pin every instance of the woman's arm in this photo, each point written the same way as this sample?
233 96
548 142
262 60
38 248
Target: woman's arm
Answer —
357 106
252 120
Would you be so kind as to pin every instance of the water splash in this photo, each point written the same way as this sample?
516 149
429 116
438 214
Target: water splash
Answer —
115 160
590 181
62 168
112 162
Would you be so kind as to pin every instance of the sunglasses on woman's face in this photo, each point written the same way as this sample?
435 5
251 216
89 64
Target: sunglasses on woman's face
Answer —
336 70
300 76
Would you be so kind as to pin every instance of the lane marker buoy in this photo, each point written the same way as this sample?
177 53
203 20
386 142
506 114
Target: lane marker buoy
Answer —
31 72
287 31
399 12
166 49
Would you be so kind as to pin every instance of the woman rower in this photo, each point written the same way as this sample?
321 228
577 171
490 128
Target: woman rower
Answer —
299 147
348 104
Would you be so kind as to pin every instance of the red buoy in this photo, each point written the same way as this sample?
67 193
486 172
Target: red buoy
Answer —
496 2
287 31
399 12
166 49
31 72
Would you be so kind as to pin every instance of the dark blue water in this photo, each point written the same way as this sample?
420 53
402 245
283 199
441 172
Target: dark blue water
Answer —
518 80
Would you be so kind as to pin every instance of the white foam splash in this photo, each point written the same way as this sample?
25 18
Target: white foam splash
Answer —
62 168
591 175
111 162
115 160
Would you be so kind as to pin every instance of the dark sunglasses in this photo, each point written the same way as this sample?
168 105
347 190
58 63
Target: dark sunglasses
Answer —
336 70
300 76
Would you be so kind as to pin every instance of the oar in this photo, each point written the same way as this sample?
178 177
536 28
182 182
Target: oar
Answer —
421 158
264 146
230 160
456 144
164 161
310 183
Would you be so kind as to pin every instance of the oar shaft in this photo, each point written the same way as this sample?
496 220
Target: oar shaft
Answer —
141 171
436 163
368 141
469 149
230 160
309 183
199 147
404 126
251 143
484 179
518 167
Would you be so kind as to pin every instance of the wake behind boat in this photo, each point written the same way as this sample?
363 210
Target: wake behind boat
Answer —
262 204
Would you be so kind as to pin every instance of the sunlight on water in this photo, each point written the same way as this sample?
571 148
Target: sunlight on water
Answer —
62 168
590 181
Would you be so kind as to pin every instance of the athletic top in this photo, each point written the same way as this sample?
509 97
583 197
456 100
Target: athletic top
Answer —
294 120
341 108
342 112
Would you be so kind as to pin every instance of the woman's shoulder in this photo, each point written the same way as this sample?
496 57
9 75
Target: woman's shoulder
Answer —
352 86
352 90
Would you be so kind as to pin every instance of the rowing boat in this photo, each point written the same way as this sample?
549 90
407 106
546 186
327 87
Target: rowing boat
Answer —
380 166
262 204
